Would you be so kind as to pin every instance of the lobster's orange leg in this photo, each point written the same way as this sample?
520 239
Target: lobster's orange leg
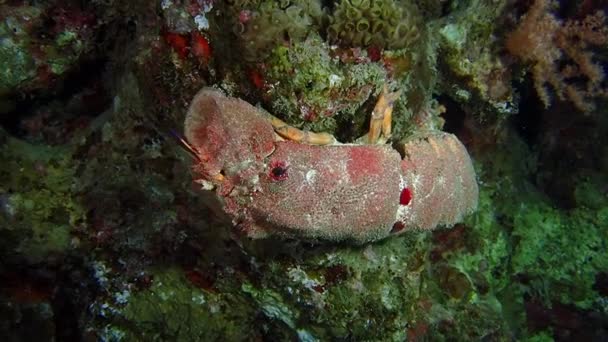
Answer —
298 135
380 123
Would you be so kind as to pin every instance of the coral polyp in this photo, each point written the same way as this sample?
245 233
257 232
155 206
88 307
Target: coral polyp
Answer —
385 23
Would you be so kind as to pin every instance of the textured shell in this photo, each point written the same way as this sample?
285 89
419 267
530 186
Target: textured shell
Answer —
439 173
343 192
337 193
229 134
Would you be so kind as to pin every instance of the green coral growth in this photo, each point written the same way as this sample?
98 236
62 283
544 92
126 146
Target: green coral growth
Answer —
519 248
519 244
174 310
271 22
561 252
346 293
473 74
382 291
317 88
17 63
383 23
59 59
39 210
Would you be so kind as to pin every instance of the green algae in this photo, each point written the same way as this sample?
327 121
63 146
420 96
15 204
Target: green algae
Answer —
472 72
58 57
17 63
317 91
561 251
30 56
517 233
347 292
172 309
42 209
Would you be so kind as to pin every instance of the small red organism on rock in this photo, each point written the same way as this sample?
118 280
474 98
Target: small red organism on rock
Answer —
201 47
397 227
374 53
200 280
245 16
257 79
307 113
179 43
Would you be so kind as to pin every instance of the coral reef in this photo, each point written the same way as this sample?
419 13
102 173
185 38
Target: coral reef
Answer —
39 213
559 252
105 237
37 62
313 86
382 23
560 53
260 26
472 70
186 313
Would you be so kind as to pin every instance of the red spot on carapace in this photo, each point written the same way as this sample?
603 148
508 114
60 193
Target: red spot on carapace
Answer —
178 42
406 196
397 227
201 47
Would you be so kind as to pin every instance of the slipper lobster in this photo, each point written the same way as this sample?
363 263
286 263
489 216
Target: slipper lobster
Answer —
275 180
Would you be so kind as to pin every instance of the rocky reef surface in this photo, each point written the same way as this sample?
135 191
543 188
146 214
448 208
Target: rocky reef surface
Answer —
105 236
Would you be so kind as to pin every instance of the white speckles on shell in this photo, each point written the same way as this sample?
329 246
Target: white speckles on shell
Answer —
311 176
402 210
442 180
332 193
205 184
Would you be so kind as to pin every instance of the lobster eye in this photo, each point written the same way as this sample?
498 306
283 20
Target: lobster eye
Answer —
278 171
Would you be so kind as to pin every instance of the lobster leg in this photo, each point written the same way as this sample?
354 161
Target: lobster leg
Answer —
380 123
306 137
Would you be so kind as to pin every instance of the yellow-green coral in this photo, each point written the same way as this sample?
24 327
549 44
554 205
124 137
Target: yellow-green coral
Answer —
518 234
473 74
383 23
40 210
561 252
184 312
18 65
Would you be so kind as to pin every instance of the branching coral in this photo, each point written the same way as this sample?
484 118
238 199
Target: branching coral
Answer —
560 54
383 23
